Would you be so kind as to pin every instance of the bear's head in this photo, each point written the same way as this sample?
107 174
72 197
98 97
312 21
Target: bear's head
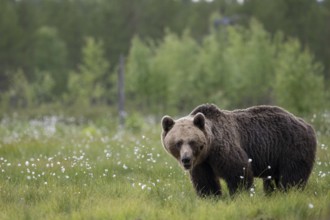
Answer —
186 139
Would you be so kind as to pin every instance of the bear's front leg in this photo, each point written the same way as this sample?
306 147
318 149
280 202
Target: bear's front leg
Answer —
238 180
205 182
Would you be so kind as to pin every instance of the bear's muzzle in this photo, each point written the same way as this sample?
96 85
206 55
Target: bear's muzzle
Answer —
186 162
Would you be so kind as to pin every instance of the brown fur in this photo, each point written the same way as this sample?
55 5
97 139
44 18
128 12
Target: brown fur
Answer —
262 141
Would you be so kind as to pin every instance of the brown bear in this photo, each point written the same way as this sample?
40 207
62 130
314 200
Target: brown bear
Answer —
262 141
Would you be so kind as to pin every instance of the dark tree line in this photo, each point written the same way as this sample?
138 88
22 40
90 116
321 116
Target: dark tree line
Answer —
42 41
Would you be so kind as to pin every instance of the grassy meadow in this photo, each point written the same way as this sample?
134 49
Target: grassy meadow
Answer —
69 168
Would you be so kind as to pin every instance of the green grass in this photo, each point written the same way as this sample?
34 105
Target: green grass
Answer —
59 169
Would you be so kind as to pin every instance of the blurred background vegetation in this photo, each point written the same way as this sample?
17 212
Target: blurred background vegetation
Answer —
62 57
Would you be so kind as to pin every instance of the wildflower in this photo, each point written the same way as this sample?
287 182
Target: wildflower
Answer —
269 177
269 167
310 205
250 160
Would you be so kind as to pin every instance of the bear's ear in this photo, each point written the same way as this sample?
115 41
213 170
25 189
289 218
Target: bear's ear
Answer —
167 123
199 120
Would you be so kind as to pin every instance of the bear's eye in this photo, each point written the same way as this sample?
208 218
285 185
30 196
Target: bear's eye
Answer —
178 144
193 143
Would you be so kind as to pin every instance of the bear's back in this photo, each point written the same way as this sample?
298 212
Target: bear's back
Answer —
269 117
270 120
210 111
256 118
264 110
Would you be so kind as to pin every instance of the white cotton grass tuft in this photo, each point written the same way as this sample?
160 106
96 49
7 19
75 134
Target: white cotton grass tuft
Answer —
252 191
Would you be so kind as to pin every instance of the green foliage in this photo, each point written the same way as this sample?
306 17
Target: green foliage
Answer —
43 88
88 85
249 65
20 94
175 64
134 122
50 56
302 19
139 78
230 59
234 67
299 84
161 73
213 75
10 43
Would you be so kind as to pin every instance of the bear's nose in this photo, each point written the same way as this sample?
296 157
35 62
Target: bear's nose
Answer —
186 160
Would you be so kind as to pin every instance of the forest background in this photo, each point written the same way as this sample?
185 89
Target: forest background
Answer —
62 57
